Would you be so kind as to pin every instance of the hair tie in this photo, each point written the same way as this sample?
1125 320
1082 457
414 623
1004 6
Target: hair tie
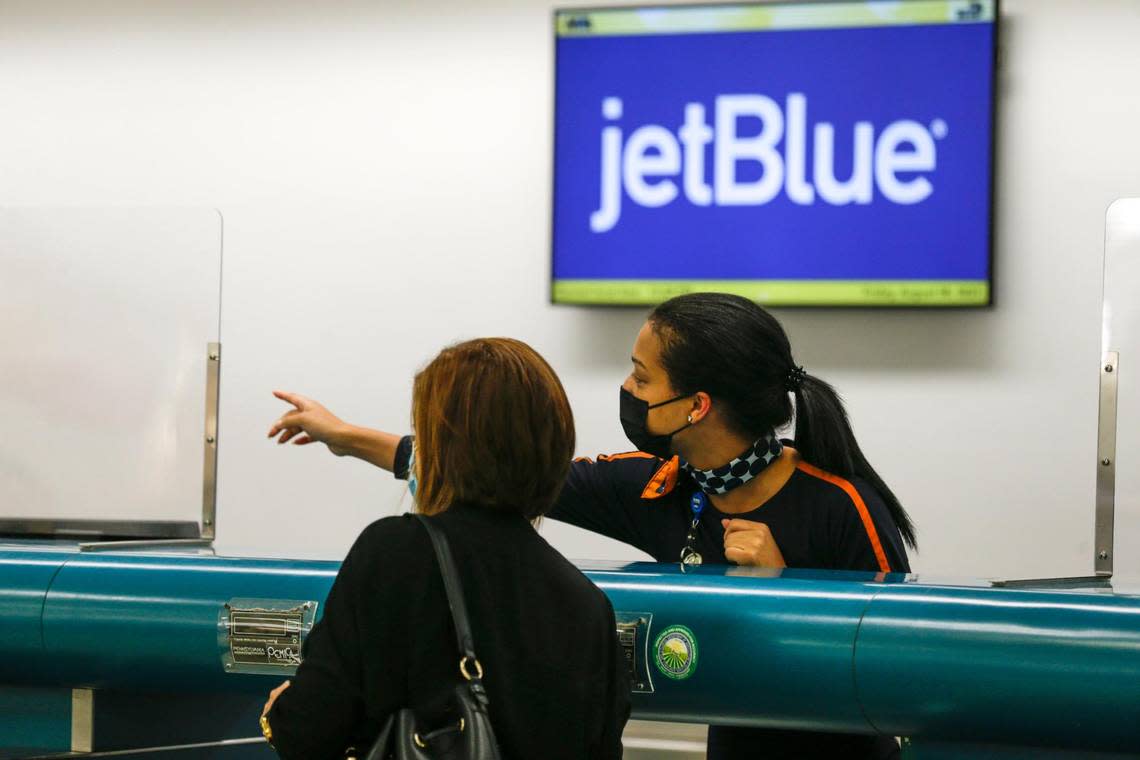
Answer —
795 378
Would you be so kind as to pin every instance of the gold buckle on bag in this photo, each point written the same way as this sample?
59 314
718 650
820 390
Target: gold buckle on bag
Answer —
420 742
468 676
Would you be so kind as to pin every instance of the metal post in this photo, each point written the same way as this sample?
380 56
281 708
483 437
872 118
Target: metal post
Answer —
210 466
1106 464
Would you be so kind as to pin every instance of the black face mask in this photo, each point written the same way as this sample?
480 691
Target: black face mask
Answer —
635 423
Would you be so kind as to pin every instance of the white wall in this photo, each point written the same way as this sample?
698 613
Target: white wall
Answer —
383 171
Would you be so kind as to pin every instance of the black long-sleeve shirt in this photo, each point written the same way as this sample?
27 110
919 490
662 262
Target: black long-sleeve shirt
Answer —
544 634
819 520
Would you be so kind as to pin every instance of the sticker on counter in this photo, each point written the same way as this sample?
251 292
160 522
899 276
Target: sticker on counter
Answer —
675 652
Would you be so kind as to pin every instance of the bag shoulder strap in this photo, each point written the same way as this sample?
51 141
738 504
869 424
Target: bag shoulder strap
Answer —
455 600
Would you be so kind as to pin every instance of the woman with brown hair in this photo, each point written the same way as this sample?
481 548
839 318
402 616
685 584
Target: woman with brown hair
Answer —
495 437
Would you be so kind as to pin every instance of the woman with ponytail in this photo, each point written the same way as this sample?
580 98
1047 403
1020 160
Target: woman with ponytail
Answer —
713 379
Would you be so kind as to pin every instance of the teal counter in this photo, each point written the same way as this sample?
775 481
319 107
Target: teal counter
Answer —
822 651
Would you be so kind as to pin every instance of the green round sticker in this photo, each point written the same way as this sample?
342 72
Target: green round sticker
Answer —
675 652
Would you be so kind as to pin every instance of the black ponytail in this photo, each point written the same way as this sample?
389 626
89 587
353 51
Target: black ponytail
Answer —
738 353
824 438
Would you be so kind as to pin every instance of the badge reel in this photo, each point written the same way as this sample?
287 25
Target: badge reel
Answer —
689 555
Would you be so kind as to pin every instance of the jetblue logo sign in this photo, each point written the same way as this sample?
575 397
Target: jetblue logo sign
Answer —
654 166
838 154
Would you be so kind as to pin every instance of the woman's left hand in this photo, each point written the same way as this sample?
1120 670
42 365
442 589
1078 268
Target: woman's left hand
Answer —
273 695
750 543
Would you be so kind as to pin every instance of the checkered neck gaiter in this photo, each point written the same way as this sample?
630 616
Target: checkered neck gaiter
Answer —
739 471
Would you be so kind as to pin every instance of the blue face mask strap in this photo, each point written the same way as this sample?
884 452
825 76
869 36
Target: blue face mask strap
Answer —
412 471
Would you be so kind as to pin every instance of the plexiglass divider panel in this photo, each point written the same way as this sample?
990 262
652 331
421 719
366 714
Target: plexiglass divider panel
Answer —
108 315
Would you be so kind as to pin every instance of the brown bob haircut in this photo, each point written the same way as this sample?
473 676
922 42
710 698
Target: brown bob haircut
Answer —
493 427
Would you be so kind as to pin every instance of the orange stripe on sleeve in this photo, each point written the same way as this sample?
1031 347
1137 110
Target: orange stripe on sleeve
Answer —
864 515
627 455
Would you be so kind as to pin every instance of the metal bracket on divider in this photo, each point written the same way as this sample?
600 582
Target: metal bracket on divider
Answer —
210 460
1106 465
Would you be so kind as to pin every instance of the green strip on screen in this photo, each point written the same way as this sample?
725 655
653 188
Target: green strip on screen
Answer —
737 18
780 292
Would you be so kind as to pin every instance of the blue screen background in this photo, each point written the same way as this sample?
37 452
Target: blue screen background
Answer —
879 74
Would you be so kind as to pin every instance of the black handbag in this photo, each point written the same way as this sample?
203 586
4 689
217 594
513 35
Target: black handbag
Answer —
470 737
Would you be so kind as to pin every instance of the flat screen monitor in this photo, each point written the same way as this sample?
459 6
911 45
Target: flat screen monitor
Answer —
798 154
